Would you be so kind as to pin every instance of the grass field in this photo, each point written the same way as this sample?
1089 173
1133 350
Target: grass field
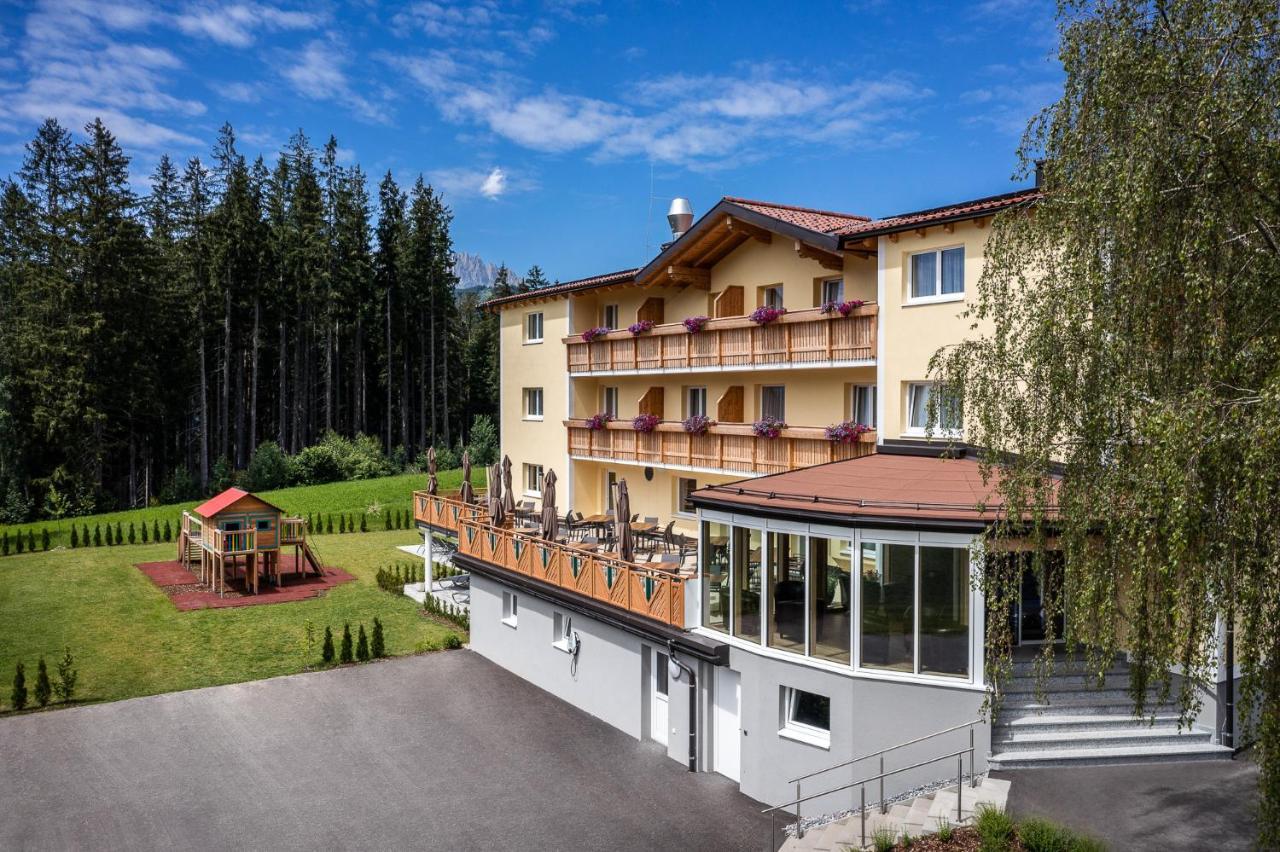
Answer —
355 497
129 640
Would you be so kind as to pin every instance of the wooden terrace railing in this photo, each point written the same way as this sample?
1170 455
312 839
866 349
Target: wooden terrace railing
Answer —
731 447
641 589
293 530
798 337
230 542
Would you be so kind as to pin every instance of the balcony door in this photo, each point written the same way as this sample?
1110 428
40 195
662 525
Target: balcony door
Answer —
773 402
1031 619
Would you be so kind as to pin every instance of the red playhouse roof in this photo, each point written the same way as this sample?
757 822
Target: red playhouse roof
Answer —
216 505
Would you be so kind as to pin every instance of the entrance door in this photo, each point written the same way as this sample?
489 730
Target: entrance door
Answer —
658 698
726 723
1032 626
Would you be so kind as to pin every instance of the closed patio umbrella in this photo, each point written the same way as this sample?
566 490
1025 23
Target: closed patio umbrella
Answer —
433 485
508 494
550 523
468 493
497 508
626 546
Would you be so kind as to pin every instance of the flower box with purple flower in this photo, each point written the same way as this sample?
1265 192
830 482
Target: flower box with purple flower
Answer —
768 427
596 422
698 424
764 314
593 333
640 327
693 325
646 422
847 432
842 308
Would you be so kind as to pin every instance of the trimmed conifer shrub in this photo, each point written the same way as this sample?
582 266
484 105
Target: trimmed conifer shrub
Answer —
362 646
85 537
379 645
328 525
364 523
75 537
21 544
142 528
155 531
97 535
4 543
452 642
119 534
168 533
44 538
346 655
43 689
133 534
386 517
18 697
67 674
31 541
326 651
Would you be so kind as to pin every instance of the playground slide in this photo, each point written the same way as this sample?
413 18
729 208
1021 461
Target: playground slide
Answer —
312 560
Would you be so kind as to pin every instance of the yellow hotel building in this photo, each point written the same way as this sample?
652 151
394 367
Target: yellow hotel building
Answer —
894 289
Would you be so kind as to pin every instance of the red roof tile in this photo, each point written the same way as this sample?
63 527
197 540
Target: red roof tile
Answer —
621 277
215 505
823 221
963 210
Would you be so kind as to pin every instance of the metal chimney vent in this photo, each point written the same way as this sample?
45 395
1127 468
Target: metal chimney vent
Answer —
680 217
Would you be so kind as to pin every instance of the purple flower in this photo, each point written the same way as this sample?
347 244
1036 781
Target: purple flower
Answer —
694 324
764 314
592 333
698 424
768 427
646 422
847 432
842 308
596 422
640 327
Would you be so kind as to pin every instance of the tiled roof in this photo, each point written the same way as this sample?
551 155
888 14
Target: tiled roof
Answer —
620 277
884 485
951 212
823 221
214 505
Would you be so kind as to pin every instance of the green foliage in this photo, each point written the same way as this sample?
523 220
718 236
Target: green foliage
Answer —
269 468
484 441
338 458
18 696
452 642
67 676
75 537
328 524
386 517
31 541
44 539
446 458
995 828
362 646
346 655
133 536
97 535
43 689
142 528
884 840
179 486
119 535
326 651
155 531
20 542
364 523
223 475
378 645
168 531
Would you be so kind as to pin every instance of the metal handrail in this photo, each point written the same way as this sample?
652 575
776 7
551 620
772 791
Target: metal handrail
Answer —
887 750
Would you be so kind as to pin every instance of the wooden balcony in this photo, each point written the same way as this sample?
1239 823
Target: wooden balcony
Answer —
651 592
799 338
726 447
293 530
230 542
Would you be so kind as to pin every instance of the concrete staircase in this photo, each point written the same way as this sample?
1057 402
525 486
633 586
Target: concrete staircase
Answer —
1074 723
914 818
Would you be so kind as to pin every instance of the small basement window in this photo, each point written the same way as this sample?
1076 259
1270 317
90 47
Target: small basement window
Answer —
560 626
510 608
806 716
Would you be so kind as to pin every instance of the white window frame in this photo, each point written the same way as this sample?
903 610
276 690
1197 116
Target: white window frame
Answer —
909 429
768 289
870 390
610 484
530 394
606 321
609 400
838 283
937 294
561 625
510 609
528 321
532 479
679 508
788 727
689 394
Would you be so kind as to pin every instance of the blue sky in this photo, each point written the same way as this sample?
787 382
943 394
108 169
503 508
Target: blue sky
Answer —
559 129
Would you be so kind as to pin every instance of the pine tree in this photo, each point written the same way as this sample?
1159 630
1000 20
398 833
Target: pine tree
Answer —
362 646
31 541
155 530
142 528
326 652
84 536
379 646
18 697
132 534
43 688
346 656
67 675
97 535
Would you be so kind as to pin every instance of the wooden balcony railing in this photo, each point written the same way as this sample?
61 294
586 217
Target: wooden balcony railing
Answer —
731 447
293 530
191 525
629 586
799 337
230 542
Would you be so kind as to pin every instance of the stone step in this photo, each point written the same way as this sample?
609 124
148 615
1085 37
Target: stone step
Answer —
1022 668
1133 736
1058 682
1075 704
1050 757
1083 723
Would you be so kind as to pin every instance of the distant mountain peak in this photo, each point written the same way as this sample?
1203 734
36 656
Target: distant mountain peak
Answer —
476 273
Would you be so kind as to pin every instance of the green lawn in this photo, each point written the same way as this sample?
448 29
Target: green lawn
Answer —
129 640
356 497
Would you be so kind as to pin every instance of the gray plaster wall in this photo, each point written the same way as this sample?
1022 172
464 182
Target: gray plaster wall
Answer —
866 715
612 667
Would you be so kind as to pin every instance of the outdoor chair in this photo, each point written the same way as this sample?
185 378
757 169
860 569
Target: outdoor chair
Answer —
668 536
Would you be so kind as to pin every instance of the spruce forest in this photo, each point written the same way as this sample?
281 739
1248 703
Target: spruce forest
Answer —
152 341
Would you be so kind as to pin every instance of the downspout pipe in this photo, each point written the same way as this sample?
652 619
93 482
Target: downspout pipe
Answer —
1229 723
693 704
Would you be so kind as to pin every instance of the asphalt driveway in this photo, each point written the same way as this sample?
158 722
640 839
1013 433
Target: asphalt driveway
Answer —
443 751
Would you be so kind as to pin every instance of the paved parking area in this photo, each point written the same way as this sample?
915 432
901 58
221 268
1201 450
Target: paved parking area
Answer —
1172 807
442 751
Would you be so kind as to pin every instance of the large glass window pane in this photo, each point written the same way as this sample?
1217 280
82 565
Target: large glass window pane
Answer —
786 591
773 402
715 576
864 405
830 598
924 275
747 562
918 405
888 606
944 610
953 270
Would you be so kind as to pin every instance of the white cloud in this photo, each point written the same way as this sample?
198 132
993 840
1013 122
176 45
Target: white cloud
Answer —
317 72
491 183
1009 108
245 93
495 184
238 24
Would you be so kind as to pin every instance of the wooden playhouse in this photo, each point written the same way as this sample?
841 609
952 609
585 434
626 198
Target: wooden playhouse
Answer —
237 534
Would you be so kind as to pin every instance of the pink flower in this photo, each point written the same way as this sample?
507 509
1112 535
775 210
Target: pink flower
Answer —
592 333
698 424
768 427
640 327
764 315
842 308
645 422
847 432
599 421
694 324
